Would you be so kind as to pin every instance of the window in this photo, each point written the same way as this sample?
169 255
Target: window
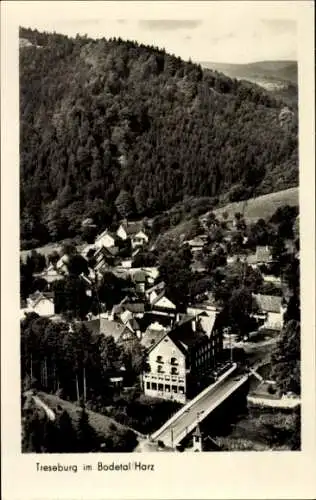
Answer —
181 389
174 361
160 387
174 371
167 388
154 386
147 385
159 359
160 369
174 388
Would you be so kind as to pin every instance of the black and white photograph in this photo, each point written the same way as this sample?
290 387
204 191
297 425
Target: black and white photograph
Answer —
160 232
158 250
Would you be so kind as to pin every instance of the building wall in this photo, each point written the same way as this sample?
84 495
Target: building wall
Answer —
164 303
106 241
274 320
44 307
121 233
166 380
139 239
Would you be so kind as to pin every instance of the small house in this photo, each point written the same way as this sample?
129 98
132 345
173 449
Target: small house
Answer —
135 231
262 257
270 310
42 303
106 239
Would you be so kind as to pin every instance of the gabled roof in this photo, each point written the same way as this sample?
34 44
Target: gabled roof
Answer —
159 286
152 337
132 228
159 297
106 327
112 328
108 233
36 297
184 340
268 303
263 254
139 276
196 242
207 321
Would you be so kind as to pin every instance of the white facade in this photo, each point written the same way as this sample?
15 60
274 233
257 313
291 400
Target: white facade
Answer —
122 233
104 240
43 307
274 320
139 239
163 302
167 376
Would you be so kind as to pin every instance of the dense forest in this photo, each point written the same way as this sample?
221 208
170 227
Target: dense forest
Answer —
113 128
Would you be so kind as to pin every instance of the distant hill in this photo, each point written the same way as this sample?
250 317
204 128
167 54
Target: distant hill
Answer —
113 128
269 71
280 78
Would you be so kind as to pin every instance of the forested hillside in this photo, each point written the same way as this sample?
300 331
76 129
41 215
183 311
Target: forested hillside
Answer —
111 128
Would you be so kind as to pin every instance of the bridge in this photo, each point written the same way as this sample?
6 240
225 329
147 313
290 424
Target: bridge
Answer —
186 419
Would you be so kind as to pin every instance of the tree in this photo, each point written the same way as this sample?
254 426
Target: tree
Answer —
124 204
77 265
285 360
87 438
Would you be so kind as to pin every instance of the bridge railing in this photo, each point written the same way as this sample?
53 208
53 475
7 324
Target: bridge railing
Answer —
178 438
186 407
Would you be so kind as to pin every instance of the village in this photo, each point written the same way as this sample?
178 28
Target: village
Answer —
185 345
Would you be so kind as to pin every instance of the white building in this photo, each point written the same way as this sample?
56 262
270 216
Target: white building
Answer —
41 303
271 310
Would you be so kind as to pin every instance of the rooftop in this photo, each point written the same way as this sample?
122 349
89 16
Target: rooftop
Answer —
268 303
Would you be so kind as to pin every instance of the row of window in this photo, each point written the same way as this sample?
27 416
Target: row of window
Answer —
173 371
173 361
164 387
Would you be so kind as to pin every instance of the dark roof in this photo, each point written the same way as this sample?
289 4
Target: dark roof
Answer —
132 228
135 307
184 338
106 327
152 337
159 286
139 277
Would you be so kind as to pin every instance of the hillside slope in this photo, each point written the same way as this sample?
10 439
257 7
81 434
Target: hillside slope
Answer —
112 128
280 78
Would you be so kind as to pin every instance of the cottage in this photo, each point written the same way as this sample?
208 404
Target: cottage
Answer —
104 258
42 303
156 289
196 244
140 279
62 265
179 361
50 275
270 310
135 231
105 239
122 335
262 256
161 304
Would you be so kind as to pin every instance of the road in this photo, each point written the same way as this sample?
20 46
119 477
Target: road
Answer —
187 421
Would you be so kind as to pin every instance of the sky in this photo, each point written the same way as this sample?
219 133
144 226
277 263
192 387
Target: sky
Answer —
208 31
